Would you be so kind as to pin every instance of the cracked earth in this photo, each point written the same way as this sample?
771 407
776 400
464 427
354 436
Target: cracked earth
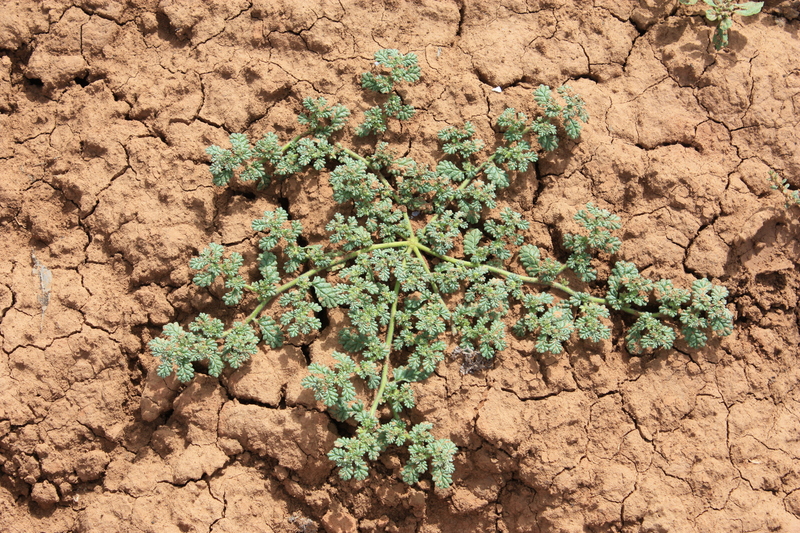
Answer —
106 108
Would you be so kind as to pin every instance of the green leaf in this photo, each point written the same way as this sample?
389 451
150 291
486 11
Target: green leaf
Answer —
747 9
512 124
402 68
411 375
670 298
589 324
271 332
240 343
322 119
449 170
351 181
544 269
209 263
496 175
544 97
440 234
471 241
327 294
516 156
529 256
460 142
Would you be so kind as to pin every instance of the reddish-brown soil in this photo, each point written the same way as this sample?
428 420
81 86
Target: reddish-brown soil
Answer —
106 107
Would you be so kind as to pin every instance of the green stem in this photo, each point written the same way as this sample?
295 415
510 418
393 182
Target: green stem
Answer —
313 272
527 279
347 152
379 174
352 154
296 139
389 337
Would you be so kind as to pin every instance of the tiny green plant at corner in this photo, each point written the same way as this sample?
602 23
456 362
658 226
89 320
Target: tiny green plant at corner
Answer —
426 260
791 197
721 12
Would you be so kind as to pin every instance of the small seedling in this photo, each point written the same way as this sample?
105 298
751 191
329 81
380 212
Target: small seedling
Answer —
722 12
776 182
426 260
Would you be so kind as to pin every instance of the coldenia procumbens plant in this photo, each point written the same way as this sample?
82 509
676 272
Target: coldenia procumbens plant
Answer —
426 259
722 12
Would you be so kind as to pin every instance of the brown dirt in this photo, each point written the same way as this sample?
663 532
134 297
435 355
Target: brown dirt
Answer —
105 110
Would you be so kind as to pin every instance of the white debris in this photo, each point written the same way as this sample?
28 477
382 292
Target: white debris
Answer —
45 281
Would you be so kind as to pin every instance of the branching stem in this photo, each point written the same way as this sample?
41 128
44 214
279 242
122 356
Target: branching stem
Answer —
313 272
527 279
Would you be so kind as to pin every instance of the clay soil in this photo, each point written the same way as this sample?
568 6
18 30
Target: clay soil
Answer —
106 108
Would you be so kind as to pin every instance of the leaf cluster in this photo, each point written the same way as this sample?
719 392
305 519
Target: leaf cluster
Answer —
401 68
791 197
206 340
267 158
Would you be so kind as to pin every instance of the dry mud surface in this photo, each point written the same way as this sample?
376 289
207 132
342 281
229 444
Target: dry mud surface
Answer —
106 108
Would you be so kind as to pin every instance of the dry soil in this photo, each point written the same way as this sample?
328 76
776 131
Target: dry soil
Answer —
106 107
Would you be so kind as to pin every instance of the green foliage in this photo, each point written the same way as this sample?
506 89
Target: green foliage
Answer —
571 113
721 12
310 149
460 142
210 264
599 223
423 260
516 125
322 120
207 340
400 68
792 197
